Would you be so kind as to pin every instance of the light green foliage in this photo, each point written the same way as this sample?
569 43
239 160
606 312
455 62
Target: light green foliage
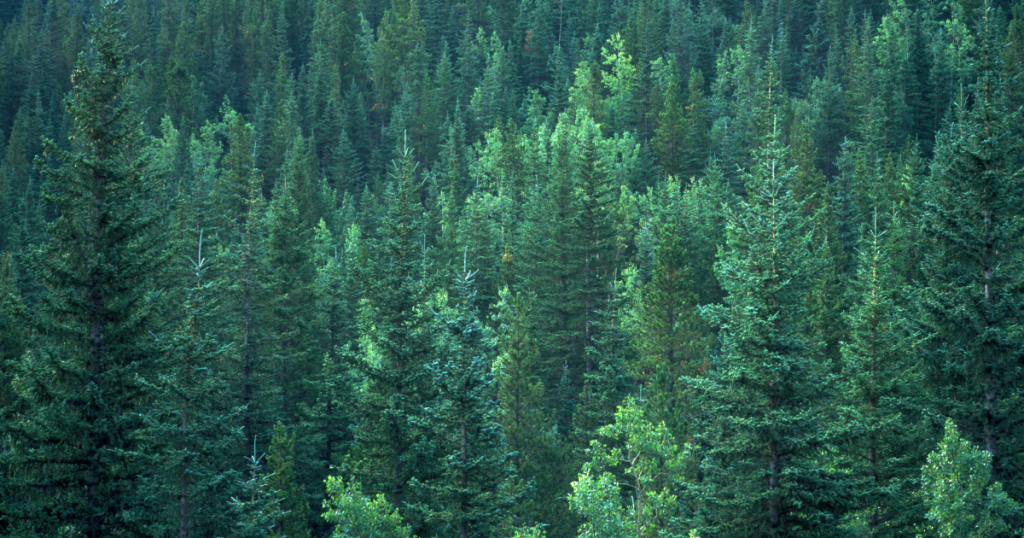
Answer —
530 532
626 489
621 108
962 500
356 515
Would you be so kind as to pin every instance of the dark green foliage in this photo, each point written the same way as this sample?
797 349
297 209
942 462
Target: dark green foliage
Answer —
670 338
973 292
474 489
193 428
766 399
79 443
395 346
13 334
586 155
883 389
291 521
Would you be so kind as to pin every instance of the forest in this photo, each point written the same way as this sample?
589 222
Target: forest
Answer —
511 268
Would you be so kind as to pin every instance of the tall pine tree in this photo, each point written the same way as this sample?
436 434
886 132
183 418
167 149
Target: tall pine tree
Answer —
81 439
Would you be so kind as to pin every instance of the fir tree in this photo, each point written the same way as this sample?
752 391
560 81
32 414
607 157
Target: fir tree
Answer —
669 336
13 333
192 425
973 293
291 521
395 346
883 390
766 398
83 434
474 489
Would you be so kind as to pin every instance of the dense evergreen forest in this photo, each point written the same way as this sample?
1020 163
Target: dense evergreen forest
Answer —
511 268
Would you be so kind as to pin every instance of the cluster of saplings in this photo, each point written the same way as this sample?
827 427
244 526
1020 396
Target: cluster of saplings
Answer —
295 268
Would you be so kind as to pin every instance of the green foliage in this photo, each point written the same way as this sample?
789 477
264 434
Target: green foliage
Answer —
191 426
281 464
973 287
669 336
888 409
80 440
627 487
354 514
395 346
474 487
258 505
593 158
766 398
957 487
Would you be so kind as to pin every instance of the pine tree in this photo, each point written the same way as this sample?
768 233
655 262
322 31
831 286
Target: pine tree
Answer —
528 424
83 434
883 390
474 490
668 334
766 397
671 130
289 275
395 346
192 425
973 294
291 521
13 333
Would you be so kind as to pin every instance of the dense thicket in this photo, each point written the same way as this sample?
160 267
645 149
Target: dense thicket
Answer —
511 268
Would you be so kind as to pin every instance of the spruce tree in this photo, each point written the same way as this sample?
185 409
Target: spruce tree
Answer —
765 399
972 297
669 336
474 489
193 427
292 520
82 437
395 345
529 425
882 392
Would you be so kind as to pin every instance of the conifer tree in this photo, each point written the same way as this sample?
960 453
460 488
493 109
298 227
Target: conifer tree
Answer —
289 275
82 434
334 324
291 521
766 397
883 389
973 293
528 424
395 345
13 334
258 505
668 334
192 426
474 488
670 133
